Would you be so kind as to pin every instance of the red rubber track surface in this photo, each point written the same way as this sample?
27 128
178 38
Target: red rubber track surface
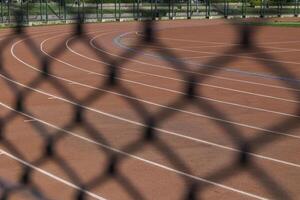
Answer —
251 104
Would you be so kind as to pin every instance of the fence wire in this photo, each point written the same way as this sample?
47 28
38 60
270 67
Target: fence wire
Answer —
44 11
151 121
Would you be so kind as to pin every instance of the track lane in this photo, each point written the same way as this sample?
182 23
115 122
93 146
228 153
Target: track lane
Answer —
75 85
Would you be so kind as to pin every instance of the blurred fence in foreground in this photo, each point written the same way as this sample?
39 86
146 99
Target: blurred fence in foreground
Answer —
193 187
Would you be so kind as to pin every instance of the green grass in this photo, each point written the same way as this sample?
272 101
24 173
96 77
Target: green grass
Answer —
278 24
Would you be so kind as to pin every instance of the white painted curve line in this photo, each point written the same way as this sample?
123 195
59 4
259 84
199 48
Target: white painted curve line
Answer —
29 120
126 42
200 84
214 76
220 43
179 110
190 49
183 111
276 50
241 56
196 114
122 153
282 42
164 89
167 107
143 125
61 180
208 85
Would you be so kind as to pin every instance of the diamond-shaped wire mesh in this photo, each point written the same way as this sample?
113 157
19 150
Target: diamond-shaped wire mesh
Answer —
149 121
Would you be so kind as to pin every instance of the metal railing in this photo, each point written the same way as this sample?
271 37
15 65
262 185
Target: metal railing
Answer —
61 11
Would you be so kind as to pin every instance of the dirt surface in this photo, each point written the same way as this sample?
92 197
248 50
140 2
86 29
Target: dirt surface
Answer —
246 93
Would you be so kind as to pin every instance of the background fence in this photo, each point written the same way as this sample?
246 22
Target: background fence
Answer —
63 10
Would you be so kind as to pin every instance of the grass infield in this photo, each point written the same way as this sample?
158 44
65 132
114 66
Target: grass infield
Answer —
275 23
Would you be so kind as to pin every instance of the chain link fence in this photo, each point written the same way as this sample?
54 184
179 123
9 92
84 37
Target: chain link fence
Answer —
63 11
149 125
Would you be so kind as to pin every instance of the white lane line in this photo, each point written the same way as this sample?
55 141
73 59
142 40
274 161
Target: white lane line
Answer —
144 125
29 120
46 173
157 46
220 43
192 57
188 71
164 89
207 85
190 49
268 47
183 111
282 42
125 154
202 74
239 56
179 80
171 108
276 50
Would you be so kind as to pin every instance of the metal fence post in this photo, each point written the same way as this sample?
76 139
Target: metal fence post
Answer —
97 10
27 12
169 9
187 9
156 11
225 9
46 11
296 8
41 11
262 8
133 10
151 9
207 8
279 8
115 13
138 9
244 11
8 11
65 11
2 11
172 8
119 3
78 8
22 18
101 7
83 11
190 9
59 9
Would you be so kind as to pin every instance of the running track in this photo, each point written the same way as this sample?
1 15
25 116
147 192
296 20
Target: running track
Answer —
250 99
